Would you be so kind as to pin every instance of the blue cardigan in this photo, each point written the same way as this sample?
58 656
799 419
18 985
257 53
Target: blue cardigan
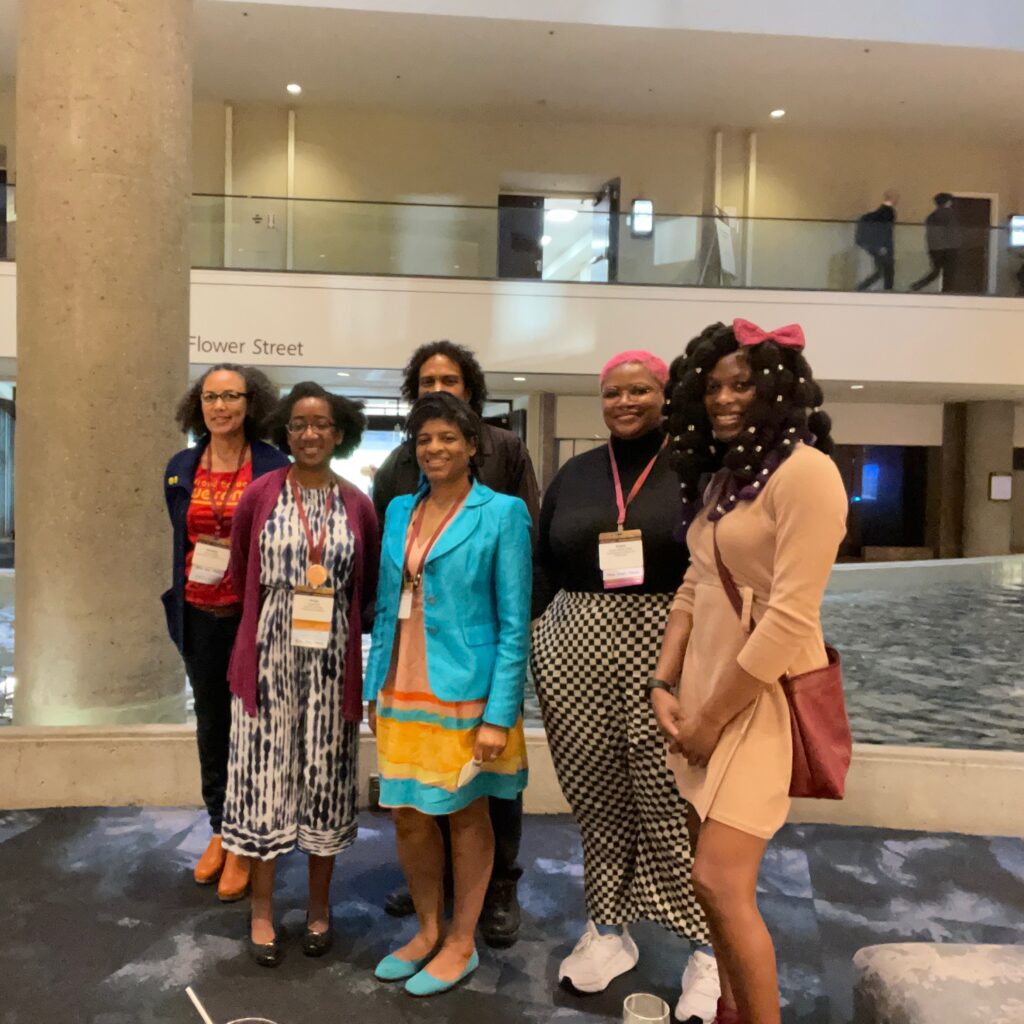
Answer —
476 603
178 480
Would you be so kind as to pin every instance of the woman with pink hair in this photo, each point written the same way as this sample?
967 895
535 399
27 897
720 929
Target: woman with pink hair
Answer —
609 558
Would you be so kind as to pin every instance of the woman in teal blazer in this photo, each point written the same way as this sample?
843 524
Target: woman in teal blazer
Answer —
445 682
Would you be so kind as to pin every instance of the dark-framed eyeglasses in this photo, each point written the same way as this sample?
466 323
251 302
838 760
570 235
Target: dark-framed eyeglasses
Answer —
227 397
296 428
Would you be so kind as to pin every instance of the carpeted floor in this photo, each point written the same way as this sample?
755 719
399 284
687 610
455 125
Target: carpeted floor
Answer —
101 923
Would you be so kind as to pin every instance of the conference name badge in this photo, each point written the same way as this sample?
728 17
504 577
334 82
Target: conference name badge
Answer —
210 559
621 558
405 602
312 612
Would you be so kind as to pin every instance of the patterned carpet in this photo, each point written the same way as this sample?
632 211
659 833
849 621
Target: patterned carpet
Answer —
102 923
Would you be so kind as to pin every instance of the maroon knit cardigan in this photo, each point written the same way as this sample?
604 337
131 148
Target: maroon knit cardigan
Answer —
258 501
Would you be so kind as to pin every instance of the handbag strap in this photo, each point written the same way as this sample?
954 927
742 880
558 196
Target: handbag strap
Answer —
728 583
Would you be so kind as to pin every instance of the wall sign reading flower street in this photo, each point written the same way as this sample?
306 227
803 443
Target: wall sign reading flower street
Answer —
202 346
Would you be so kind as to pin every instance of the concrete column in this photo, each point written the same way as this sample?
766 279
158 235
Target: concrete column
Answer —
946 484
547 464
988 449
104 109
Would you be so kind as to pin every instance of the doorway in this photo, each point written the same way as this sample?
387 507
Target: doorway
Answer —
560 237
520 230
974 265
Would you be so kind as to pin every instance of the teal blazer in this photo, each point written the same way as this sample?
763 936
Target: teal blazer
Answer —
477 584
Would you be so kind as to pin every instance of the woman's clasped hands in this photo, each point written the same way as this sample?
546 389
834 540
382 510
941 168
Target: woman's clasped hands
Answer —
693 736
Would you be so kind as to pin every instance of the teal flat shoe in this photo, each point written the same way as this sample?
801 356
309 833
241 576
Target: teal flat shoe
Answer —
425 984
392 968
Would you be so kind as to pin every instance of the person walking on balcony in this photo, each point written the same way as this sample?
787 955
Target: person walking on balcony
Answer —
304 555
445 684
943 237
224 411
503 465
744 413
876 236
609 559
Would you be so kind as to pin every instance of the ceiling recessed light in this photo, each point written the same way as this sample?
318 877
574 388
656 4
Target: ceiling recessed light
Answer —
519 380
342 373
778 113
856 387
294 88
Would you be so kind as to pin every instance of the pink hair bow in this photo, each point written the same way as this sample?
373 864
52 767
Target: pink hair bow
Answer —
790 336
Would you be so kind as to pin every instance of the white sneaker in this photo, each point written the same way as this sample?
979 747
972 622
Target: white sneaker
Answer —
701 990
598 959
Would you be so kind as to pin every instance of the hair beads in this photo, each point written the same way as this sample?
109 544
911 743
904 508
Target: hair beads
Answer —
778 418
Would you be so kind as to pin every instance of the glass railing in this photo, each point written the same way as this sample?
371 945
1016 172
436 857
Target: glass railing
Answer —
487 243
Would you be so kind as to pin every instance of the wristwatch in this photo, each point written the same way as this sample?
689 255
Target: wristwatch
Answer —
654 683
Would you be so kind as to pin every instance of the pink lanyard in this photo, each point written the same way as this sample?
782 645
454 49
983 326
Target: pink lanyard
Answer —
640 481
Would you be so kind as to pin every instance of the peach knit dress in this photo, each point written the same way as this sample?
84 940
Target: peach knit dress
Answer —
782 545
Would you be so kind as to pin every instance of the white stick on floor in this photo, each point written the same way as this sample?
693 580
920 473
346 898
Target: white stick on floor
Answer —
200 1009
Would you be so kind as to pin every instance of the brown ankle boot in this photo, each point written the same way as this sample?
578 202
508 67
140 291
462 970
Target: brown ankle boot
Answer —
210 865
234 879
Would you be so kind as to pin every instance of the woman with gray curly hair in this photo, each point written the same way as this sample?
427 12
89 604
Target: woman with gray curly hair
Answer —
223 410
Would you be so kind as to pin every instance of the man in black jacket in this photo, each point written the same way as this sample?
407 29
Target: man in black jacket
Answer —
875 235
504 465
942 235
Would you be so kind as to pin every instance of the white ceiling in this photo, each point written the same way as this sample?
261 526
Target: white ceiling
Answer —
484 67
543 70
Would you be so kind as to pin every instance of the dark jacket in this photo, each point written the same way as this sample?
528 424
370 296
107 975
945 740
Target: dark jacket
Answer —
942 229
178 480
503 461
875 230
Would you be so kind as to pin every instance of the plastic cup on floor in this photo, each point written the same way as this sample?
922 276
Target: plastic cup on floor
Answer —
643 1008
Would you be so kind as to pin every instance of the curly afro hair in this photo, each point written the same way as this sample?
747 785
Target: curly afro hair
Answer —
261 397
785 409
347 415
472 373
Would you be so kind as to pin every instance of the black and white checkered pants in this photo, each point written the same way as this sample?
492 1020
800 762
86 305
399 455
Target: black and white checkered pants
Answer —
592 654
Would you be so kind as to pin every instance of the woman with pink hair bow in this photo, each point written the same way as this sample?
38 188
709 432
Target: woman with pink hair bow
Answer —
744 414
608 559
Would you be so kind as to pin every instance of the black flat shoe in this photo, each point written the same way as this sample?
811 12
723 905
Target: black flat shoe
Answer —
267 954
399 903
501 917
317 943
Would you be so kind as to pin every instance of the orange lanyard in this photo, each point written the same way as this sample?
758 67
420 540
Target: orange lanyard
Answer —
413 579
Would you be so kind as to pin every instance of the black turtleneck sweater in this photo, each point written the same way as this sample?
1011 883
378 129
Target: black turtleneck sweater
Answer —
580 503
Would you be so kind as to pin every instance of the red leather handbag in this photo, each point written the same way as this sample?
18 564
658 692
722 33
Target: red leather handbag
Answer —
822 744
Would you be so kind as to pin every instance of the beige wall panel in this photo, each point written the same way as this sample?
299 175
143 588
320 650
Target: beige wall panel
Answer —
7 128
385 156
841 176
207 235
885 423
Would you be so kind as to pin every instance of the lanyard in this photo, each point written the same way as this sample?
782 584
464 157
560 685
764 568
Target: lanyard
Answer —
316 550
218 513
414 579
640 481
